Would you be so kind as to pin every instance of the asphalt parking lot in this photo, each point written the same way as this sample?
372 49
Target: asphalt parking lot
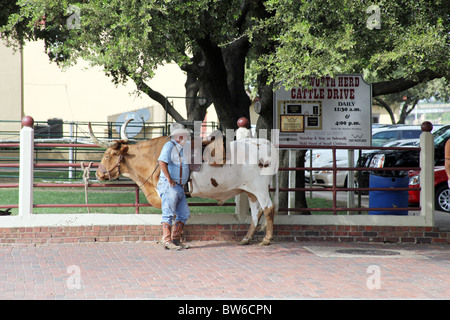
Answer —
224 270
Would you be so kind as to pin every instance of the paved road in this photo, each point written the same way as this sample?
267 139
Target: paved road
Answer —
222 270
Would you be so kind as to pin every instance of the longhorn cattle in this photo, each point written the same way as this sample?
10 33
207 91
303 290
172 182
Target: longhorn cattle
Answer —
247 173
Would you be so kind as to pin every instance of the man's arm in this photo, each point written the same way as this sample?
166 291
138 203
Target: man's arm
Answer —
165 170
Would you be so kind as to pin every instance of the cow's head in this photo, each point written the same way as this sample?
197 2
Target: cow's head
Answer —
109 167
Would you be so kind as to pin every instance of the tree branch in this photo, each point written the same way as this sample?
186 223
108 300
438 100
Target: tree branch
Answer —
158 97
245 7
383 104
402 84
155 95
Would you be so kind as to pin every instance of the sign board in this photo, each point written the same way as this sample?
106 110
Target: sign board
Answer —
329 112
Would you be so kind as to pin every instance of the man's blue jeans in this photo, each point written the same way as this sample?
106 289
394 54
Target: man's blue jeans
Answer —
173 202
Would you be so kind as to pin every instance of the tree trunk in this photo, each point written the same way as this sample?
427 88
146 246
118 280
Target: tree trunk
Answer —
223 77
383 104
405 111
197 99
234 57
283 177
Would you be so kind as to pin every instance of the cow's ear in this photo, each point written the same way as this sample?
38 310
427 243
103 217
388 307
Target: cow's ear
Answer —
123 149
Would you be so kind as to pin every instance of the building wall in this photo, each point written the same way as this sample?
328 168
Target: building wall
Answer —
31 85
10 89
82 92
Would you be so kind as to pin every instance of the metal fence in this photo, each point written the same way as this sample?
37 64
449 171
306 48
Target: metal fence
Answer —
427 194
68 142
46 166
335 209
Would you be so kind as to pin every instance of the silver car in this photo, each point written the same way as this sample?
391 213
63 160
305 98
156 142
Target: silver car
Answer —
323 159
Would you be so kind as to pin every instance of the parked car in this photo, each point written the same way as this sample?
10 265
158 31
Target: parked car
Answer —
399 158
323 158
442 191
394 133
403 143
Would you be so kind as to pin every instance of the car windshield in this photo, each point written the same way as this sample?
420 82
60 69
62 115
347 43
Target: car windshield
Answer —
441 135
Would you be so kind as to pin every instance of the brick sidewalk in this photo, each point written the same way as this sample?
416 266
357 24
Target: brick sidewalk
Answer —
221 270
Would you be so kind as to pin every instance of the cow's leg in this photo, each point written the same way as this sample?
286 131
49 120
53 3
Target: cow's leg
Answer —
269 214
152 196
256 212
251 230
267 207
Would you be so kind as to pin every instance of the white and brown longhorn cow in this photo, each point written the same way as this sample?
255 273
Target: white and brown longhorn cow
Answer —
247 174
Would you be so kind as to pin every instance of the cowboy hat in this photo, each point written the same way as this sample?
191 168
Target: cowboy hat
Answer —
178 129
178 132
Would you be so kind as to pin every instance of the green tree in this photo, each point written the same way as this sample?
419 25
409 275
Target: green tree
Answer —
283 41
130 39
406 101
328 37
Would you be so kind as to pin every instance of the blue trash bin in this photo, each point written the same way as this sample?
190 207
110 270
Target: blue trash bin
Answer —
388 199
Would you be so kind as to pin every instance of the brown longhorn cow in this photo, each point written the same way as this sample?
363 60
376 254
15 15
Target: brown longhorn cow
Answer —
137 162
247 175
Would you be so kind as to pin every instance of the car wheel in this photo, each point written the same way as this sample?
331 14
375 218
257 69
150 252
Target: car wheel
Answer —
443 198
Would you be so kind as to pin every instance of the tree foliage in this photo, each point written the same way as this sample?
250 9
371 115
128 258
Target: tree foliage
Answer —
131 38
409 44
217 43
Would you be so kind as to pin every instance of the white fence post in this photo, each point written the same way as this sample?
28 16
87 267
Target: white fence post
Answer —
72 140
26 167
241 200
291 182
427 173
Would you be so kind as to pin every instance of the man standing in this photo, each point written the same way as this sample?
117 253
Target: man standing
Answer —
174 175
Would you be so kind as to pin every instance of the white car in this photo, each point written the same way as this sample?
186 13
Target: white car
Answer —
403 143
383 135
323 158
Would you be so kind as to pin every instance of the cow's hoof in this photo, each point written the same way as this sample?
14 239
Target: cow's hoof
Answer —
264 243
244 242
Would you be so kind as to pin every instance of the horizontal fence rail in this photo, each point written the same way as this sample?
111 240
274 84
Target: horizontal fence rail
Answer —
335 209
136 204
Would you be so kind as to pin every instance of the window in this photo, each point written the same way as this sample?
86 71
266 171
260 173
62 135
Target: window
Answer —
380 138
411 134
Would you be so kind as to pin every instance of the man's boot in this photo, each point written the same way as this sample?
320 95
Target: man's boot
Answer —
167 237
176 235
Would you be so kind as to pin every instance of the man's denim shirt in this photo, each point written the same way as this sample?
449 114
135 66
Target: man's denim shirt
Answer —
171 154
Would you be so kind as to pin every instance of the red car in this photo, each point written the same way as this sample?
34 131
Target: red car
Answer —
442 192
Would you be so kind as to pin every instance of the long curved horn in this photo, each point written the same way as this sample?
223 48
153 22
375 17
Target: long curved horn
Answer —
102 144
123 134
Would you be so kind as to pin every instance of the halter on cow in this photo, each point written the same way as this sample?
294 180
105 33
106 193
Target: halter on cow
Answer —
139 163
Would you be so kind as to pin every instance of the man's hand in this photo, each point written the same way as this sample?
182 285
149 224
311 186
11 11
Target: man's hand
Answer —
165 170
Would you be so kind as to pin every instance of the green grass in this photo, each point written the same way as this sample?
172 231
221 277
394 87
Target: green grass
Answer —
108 196
325 203
98 195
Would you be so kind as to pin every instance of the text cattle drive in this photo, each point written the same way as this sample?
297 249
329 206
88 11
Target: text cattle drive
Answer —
248 169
